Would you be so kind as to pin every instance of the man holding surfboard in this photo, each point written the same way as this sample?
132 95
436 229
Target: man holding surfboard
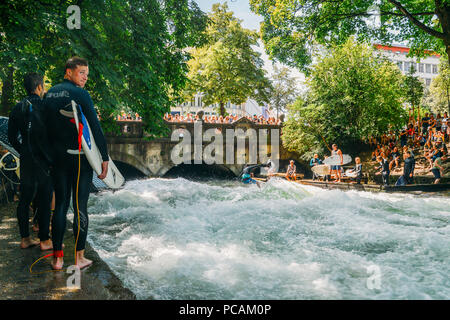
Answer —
72 173
337 168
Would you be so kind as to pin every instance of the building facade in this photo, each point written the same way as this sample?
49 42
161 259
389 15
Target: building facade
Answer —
426 69
249 108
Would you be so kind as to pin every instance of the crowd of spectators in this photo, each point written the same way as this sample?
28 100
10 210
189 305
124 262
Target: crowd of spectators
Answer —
205 118
220 119
425 138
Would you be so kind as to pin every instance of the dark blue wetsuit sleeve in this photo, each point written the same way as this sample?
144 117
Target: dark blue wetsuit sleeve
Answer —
13 130
91 117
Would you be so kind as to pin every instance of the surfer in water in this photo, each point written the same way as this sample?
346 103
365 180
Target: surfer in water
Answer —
247 173
34 165
337 168
63 137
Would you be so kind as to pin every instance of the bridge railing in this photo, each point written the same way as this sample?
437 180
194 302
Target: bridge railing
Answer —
134 129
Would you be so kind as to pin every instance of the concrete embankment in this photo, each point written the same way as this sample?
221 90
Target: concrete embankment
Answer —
97 281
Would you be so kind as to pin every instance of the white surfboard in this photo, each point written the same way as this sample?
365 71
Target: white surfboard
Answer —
114 178
336 160
350 173
321 169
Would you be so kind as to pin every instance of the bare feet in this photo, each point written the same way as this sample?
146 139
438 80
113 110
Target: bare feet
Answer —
82 262
28 242
57 263
46 245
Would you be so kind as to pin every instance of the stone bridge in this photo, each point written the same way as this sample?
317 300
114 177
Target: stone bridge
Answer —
227 145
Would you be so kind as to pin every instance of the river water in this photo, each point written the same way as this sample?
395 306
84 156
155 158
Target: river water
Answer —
181 239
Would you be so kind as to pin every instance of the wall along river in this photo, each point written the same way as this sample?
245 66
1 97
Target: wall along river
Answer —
181 239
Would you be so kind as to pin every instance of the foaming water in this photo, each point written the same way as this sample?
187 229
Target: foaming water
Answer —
179 239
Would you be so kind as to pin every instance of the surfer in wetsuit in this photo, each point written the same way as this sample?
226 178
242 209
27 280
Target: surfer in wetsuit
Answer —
384 167
64 136
34 162
247 173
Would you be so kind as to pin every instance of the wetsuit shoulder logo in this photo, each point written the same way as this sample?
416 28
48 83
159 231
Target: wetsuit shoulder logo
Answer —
60 94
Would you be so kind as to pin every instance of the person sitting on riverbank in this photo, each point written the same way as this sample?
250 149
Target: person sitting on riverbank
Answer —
395 158
433 154
290 172
437 169
357 171
315 161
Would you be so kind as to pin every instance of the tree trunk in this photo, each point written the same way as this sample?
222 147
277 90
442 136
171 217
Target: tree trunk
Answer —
222 109
448 101
7 93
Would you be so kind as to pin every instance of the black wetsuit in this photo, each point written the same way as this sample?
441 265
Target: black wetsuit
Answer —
385 172
63 135
409 169
34 169
247 171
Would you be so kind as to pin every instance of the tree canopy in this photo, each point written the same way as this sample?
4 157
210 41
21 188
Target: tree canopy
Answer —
353 94
292 27
135 50
284 89
440 88
414 89
227 68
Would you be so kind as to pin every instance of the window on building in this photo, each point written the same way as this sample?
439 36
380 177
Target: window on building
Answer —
400 65
407 66
435 68
421 67
428 82
428 68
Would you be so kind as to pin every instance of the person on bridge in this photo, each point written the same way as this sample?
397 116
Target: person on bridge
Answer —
72 173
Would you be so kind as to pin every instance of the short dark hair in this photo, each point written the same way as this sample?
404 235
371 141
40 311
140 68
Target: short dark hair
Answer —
31 81
74 62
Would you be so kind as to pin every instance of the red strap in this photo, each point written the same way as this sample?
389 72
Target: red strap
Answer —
58 253
80 132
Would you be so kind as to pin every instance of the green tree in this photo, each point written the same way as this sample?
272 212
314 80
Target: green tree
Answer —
136 51
414 89
352 94
226 68
284 89
292 27
440 88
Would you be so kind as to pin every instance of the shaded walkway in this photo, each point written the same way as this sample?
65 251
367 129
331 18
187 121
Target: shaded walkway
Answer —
97 282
